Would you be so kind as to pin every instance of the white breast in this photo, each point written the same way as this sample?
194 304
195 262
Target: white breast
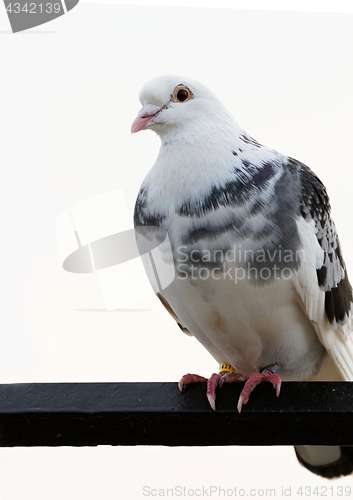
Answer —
249 326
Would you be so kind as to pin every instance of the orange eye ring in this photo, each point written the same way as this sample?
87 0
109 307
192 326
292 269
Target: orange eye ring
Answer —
181 94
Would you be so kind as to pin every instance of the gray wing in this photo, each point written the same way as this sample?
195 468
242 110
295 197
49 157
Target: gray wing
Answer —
321 279
332 276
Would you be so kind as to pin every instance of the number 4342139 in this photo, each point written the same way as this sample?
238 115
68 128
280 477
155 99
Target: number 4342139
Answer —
34 8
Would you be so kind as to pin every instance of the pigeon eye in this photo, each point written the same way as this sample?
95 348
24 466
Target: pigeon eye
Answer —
181 94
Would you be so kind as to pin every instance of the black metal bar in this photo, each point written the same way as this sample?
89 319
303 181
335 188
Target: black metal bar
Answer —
79 414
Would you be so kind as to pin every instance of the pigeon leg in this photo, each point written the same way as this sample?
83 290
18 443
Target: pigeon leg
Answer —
226 374
268 374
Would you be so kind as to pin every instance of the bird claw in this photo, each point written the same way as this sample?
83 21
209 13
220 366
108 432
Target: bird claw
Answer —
253 381
212 400
218 379
240 404
212 384
215 380
189 378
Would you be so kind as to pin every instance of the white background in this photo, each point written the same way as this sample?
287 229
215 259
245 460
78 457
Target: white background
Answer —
69 93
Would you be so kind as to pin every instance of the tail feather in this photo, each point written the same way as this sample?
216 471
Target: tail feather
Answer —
326 461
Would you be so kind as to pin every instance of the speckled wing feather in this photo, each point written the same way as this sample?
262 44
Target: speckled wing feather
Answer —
322 280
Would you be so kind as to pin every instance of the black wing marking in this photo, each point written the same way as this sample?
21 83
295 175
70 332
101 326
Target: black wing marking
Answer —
332 276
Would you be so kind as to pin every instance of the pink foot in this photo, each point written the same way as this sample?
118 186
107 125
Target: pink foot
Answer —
190 378
218 379
253 381
212 383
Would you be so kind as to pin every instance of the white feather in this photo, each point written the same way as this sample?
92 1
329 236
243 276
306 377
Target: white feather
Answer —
337 341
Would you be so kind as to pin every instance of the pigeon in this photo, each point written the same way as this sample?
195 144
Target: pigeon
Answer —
260 280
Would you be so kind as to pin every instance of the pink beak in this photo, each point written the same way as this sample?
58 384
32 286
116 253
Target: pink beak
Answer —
144 117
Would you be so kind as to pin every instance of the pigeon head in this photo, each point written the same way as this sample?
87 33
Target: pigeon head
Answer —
179 107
